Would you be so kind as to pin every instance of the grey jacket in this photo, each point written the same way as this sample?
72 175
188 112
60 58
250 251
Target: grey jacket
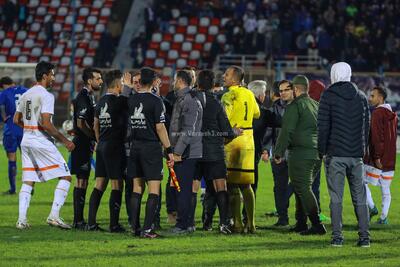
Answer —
186 122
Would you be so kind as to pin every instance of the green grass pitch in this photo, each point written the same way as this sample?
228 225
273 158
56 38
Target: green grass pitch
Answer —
46 246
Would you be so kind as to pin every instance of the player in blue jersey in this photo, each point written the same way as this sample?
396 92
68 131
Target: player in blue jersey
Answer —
12 135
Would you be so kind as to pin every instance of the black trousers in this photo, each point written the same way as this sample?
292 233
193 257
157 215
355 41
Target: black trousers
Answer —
282 189
171 196
185 172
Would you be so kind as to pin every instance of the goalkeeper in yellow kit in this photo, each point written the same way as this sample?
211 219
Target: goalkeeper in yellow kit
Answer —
241 108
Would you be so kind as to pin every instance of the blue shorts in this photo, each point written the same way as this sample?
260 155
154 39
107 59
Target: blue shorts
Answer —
11 143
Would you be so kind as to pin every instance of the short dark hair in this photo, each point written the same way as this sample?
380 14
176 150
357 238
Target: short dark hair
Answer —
43 68
219 79
238 72
285 81
275 88
185 76
205 80
191 68
147 76
88 74
6 81
382 91
111 77
135 73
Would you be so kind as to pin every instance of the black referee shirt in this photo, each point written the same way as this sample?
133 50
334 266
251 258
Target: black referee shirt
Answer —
84 105
111 111
145 111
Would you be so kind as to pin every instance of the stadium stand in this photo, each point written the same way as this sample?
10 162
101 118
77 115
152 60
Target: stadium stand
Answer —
46 35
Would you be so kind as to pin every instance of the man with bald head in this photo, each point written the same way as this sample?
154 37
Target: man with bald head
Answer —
343 128
241 108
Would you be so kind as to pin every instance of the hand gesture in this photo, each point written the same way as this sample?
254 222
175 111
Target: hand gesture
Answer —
127 80
69 145
237 131
177 158
170 160
378 164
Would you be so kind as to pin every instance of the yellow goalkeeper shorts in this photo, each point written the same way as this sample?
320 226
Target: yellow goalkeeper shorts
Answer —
240 159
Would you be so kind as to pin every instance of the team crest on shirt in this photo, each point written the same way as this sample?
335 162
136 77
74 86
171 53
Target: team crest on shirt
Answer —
138 120
104 117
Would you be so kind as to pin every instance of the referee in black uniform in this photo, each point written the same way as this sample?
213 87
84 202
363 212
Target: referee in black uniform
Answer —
83 106
147 118
110 130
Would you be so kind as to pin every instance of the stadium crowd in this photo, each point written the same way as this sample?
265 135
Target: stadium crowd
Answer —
367 35
206 130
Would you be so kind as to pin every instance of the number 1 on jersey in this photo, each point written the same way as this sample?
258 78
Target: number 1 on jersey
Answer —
246 110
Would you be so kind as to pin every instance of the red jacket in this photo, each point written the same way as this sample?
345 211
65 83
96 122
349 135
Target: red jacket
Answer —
382 139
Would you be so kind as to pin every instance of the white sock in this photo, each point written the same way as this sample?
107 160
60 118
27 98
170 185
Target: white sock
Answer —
386 199
370 201
60 194
24 200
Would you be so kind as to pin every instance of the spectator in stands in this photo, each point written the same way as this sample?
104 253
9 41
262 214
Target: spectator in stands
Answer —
138 50
49 31
150 21
114 27
164 15
23 13
10 13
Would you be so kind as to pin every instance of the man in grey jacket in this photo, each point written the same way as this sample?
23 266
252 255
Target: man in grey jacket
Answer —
343 128
185 136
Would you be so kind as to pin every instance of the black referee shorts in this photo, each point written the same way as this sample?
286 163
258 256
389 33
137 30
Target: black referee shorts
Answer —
110 160
146 161
210 170
81 157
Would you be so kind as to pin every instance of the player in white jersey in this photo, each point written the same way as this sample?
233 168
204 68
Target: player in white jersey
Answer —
41 161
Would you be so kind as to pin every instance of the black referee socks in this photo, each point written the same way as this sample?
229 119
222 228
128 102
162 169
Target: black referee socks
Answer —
136 201
223 202
151 208
115 207
94 203
79 204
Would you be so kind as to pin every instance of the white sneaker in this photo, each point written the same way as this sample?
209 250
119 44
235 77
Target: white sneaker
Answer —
22 225
58 222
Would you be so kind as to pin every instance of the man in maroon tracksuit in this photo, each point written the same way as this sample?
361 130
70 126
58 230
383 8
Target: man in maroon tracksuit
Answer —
380 160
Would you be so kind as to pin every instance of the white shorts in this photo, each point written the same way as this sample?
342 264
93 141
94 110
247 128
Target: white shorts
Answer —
376 176
41 164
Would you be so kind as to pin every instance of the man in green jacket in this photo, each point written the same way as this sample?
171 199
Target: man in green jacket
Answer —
299 136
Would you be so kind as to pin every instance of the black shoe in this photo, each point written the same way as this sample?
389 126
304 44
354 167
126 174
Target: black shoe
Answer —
337 242
298 228
136 232
9 192
117 229
207 227
225 229
281 223
363 242
179 231
94 228
315 230
150 234
79 225
156 226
